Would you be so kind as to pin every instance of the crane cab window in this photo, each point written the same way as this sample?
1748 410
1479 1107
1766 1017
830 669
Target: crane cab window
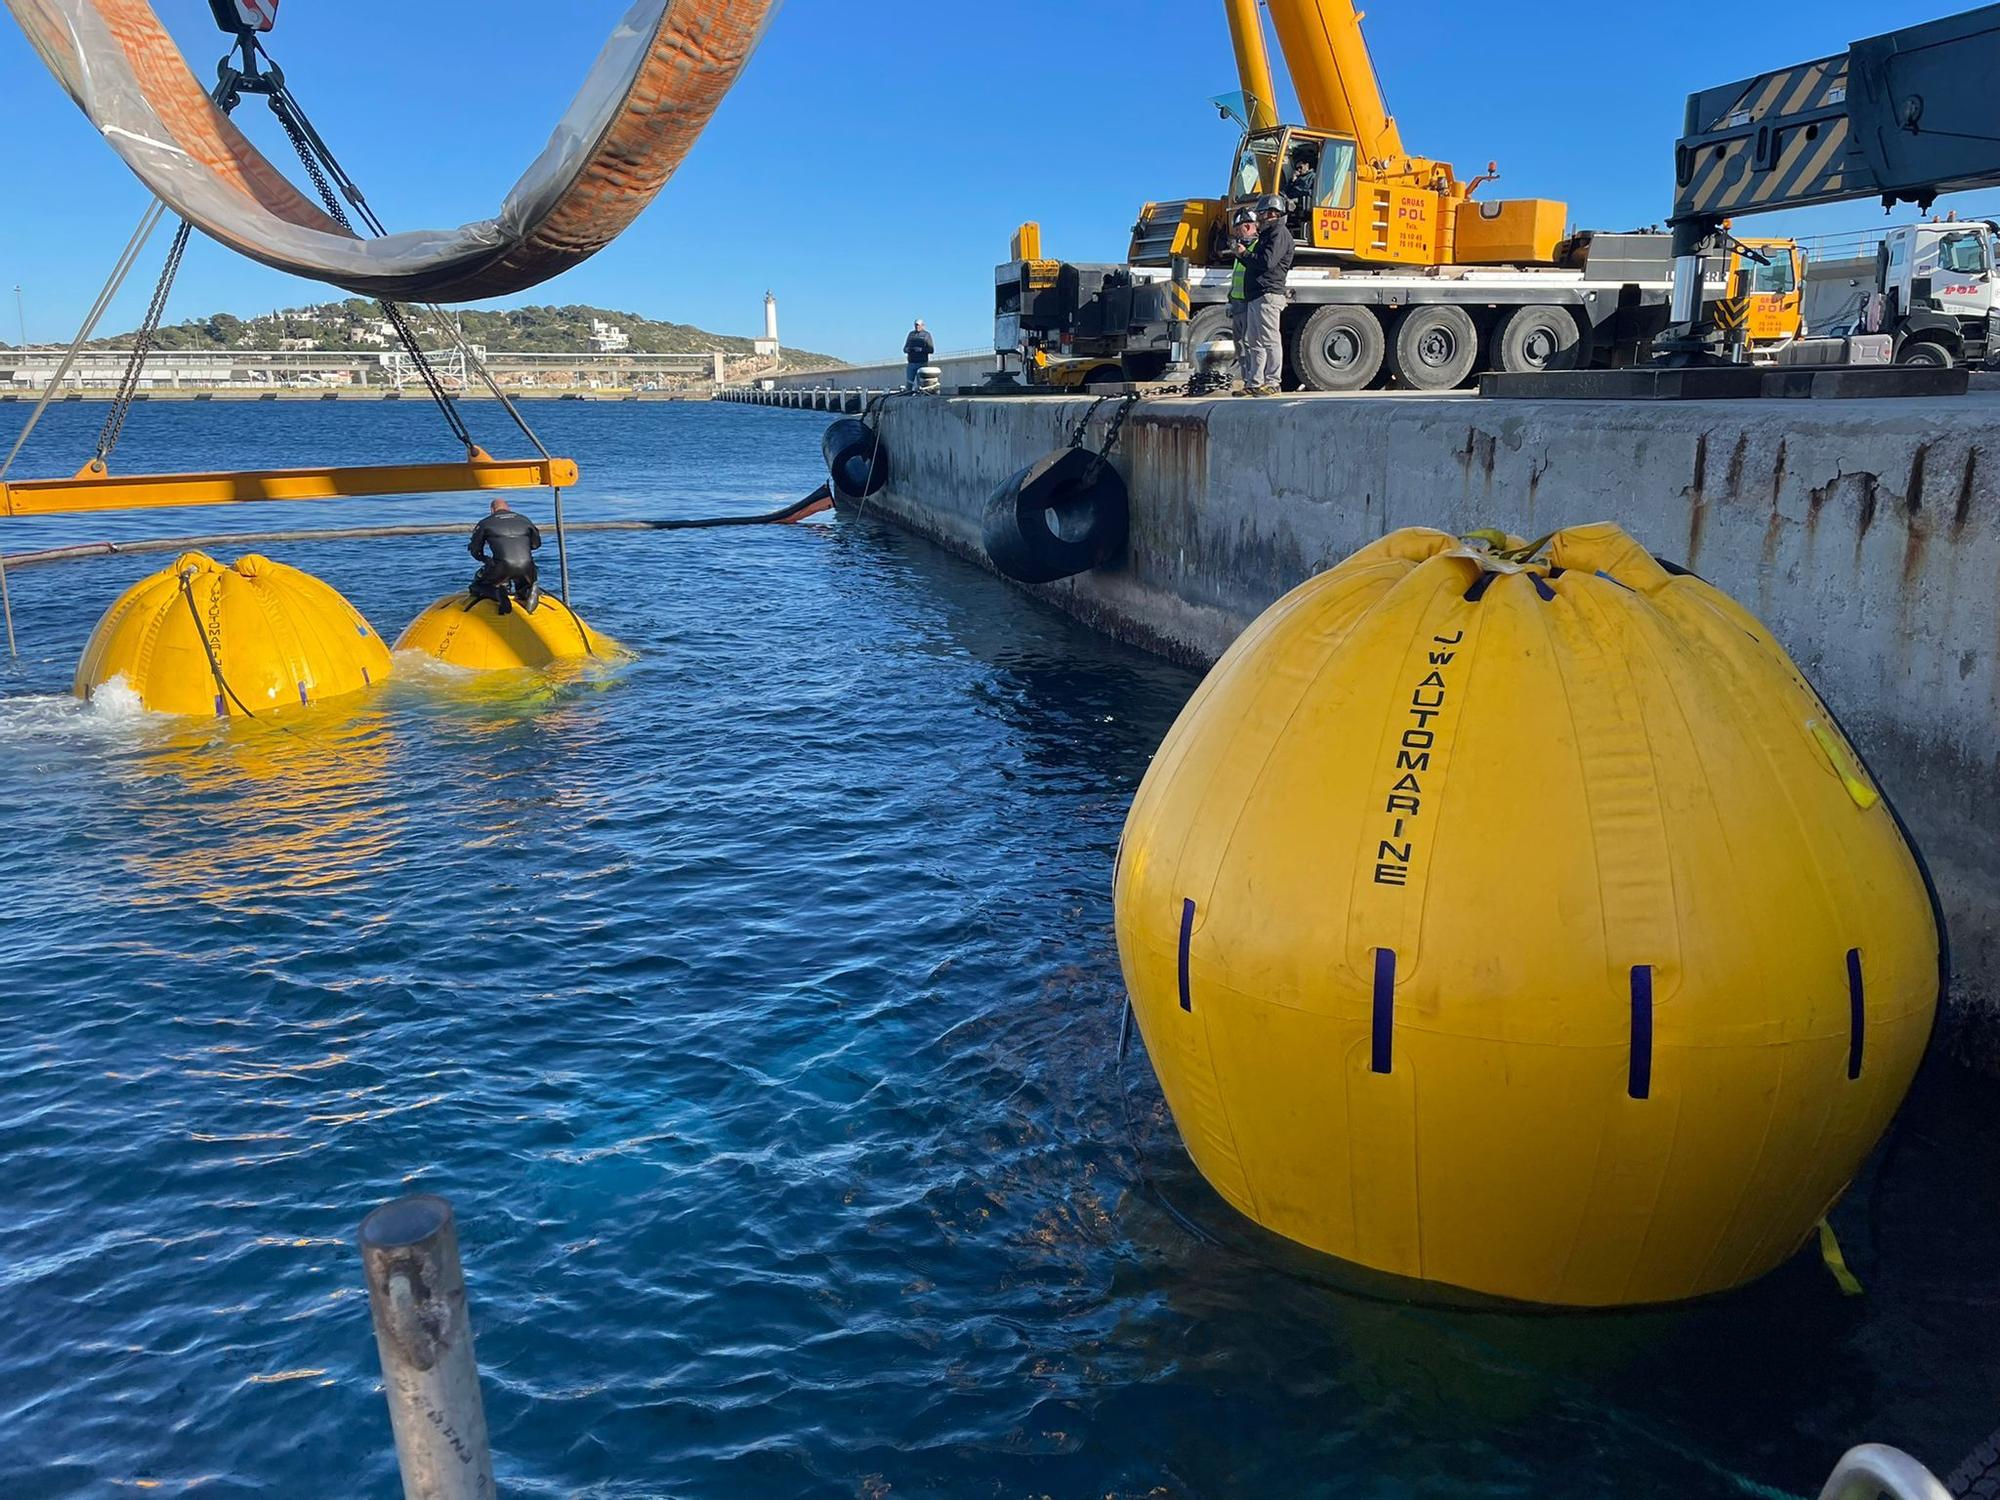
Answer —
1778 279
1334 187
1256 168
1963 254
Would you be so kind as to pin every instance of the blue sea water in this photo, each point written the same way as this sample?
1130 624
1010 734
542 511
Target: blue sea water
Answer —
756 1004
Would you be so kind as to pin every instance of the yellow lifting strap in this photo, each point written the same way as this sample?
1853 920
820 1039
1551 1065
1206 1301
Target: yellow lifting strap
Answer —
1836 1263
94 487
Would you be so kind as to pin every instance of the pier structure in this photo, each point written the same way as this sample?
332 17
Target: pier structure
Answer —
836 388
1865 533
361 372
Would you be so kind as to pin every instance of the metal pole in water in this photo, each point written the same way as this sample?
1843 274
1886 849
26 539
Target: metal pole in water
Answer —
416 1291
562 547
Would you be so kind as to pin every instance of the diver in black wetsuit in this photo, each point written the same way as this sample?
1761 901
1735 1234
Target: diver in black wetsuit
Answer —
505 543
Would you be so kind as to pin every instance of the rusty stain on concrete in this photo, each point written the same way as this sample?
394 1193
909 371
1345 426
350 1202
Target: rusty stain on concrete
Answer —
1696 494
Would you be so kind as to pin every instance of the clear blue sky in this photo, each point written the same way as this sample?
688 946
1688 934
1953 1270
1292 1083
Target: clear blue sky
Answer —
876 155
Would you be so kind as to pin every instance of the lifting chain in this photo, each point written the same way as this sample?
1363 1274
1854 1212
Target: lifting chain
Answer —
224 97
1103 455
320 163
142 344
295 130
1076 437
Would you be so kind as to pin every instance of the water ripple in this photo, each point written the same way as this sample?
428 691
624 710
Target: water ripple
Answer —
755 1003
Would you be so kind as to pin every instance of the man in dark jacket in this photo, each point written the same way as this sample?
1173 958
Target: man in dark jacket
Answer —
917 350
1265 270
505 543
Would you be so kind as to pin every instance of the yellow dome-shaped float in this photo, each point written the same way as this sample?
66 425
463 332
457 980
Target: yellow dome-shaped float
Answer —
201 638
1523 926
472 633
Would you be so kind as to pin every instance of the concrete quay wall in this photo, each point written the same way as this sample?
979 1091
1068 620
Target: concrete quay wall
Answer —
1865 533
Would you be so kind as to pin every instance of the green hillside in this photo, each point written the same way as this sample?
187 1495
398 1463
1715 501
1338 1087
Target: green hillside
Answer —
356 323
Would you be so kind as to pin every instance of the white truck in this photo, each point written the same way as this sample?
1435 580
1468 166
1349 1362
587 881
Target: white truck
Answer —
1934 292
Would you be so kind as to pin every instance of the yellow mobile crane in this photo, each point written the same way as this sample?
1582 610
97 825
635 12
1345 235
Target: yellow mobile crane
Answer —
1403 275
1356 193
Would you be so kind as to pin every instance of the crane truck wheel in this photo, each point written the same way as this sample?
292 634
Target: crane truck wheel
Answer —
1927 354
1208 325
1538 338
1336 349
1436 347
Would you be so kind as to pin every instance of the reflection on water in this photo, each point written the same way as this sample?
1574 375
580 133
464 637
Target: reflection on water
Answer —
288 804
756 1003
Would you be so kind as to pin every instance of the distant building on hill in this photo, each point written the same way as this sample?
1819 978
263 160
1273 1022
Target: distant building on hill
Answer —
608 338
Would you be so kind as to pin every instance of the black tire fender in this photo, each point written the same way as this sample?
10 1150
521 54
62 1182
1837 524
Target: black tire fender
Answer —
1064 514
857 460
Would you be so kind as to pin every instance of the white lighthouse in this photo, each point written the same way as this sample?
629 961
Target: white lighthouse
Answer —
767 346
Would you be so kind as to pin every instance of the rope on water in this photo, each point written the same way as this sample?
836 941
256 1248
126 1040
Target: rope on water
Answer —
83 551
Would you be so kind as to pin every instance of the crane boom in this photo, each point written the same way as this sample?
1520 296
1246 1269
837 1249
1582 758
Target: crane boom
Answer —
1253 64
1903 116
1334 75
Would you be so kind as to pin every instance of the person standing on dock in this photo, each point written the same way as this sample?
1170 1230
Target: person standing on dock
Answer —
1242 234
917 351
1265 271
505 542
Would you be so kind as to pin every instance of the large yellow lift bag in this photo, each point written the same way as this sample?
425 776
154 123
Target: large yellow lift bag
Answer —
254 637
653 88
472 633
1526 929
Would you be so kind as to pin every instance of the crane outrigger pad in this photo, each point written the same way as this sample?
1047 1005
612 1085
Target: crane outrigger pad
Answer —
95 488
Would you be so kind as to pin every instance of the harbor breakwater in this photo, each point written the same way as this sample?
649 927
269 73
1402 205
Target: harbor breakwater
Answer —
1865 533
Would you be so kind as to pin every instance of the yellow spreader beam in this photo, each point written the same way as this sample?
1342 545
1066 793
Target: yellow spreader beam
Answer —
95 488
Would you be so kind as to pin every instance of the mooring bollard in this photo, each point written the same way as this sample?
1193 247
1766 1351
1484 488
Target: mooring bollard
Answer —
416 1291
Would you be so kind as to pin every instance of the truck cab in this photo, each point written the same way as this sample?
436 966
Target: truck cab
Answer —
1768 276
1935 292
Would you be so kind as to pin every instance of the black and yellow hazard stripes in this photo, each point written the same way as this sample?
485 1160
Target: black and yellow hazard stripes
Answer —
1783 140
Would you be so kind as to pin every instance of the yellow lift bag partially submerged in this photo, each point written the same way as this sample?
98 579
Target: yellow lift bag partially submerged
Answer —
472 633
199 638
644 103
1522 922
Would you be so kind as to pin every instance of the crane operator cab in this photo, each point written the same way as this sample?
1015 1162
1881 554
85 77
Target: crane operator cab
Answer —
1312 172
1409 212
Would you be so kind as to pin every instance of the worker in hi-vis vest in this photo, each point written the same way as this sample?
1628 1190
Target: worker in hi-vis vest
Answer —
1242 234
1265 273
